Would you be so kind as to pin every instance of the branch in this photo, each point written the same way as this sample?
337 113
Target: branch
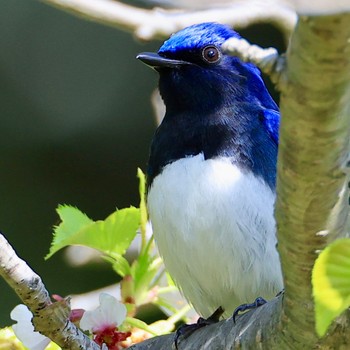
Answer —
159 23
251 328
268 60
50 319
313 155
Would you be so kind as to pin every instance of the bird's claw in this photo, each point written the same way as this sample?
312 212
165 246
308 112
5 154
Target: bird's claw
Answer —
245 307
187 329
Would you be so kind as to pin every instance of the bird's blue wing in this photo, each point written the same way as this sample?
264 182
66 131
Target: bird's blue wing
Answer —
272 122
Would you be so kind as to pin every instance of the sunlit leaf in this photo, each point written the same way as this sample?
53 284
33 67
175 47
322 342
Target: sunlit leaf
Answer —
142 192
144 270
170 281
331 283
119 264
111 236
135 322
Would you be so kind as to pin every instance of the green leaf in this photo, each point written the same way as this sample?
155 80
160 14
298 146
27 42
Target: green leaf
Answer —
144 270
111 236
331 283
135 322
143 209
142 192
120 265
169 279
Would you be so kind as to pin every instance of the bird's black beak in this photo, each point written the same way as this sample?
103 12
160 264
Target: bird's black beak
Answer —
156 61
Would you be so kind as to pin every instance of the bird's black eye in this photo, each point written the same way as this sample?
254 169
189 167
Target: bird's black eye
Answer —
211 54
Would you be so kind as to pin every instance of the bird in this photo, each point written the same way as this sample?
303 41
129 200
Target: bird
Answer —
211 173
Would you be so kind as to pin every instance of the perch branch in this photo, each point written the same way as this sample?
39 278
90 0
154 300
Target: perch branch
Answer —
251 328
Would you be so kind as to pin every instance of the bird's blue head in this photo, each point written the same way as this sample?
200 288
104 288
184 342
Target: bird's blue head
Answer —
195 74
193 39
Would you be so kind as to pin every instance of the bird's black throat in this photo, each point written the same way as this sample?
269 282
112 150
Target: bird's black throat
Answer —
227 132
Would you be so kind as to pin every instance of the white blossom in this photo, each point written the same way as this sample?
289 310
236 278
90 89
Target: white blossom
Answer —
110 313
24 329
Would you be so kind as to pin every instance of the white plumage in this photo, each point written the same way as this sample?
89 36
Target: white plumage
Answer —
215 229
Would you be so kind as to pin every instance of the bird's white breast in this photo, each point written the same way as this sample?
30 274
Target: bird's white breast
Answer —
215 229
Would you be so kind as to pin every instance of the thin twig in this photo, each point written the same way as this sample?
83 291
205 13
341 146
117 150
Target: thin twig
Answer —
268 60
50 319
160 23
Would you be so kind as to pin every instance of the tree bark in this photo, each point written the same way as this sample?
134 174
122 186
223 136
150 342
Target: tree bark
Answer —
313 155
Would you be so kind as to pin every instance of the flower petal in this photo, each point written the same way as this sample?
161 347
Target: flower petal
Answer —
24 329
110 313
114 310
21 313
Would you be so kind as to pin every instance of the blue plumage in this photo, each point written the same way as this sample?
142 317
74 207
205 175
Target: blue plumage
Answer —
272 122
219 109
197 36
212 171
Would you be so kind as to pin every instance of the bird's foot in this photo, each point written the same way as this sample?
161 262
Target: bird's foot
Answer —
187 329
280 293
245 307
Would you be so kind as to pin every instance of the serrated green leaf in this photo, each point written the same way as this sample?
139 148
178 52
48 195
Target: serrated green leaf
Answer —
111 236
331 283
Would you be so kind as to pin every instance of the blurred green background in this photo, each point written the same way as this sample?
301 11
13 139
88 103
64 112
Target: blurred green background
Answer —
76 122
